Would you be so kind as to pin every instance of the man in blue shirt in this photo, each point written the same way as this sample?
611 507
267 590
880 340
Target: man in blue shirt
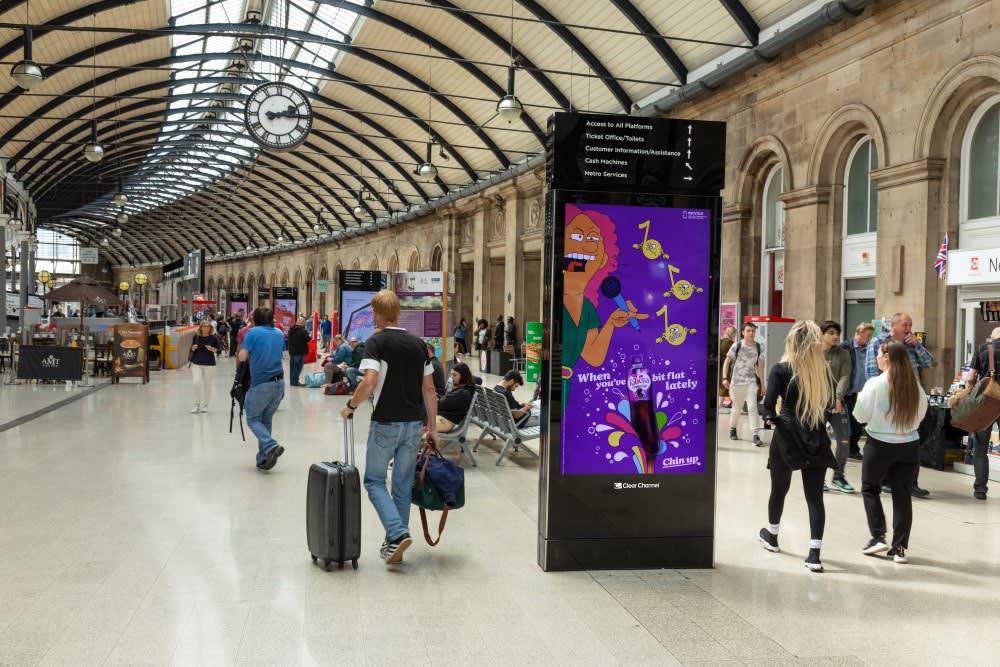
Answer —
263 347
341 351
326 328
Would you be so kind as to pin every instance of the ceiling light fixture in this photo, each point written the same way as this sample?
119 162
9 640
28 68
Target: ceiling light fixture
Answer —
120 199
93 151
116 232
26 71
427 171
509 108
122 217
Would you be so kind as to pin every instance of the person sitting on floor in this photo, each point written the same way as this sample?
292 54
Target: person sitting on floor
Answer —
453 406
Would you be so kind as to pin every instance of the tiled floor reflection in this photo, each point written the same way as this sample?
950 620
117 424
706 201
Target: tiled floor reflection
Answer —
133 532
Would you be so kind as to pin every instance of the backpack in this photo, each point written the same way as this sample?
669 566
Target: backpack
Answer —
222 328
736 356
238 393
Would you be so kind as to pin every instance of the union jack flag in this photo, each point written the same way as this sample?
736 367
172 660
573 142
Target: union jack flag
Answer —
941 261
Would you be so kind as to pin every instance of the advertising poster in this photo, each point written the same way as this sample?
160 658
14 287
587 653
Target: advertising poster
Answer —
238 301
130 351
359 320
285 305
412 321
532 351
729 316
635 318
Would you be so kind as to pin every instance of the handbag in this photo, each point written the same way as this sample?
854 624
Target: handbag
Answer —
427 496
978 410
315 380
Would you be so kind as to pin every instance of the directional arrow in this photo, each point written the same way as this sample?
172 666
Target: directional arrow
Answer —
688 165
689 153
689 142
688 178
689 130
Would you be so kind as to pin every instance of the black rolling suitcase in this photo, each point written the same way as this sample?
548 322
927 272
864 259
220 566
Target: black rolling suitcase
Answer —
333 508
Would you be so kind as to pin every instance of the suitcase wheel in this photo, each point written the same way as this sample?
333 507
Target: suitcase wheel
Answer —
326 564
314 559
354 563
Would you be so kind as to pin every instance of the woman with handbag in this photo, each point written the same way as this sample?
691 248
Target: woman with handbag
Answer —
891 406
800 442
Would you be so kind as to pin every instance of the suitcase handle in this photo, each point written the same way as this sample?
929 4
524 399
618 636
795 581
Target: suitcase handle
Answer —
349 440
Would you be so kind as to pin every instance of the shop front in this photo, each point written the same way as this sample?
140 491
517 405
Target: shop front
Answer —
976 273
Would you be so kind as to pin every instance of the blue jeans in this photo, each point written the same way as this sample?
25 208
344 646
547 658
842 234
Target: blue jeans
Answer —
389 441
295 363
260 405
353 377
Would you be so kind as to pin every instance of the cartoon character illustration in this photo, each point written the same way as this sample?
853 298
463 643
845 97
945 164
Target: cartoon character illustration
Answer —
590 254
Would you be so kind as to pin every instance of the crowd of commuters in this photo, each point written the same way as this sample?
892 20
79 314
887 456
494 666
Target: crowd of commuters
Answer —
865 386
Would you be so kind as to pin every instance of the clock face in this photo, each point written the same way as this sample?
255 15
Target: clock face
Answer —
278 116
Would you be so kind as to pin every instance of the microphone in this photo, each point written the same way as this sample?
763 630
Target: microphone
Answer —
611 288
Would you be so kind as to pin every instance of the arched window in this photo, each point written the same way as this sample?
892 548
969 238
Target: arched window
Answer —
393 263
772 280
436 256
414 260
373 263
861 197
981 164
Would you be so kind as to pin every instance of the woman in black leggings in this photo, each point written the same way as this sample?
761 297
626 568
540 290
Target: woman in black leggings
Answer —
800 442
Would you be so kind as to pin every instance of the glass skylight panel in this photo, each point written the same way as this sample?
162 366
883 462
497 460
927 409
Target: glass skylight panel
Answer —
192 159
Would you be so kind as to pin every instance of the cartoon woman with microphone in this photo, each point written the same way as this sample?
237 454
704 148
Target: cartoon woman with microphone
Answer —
590 255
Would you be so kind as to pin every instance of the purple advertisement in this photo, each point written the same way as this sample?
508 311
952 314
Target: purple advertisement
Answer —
357 316
635 321
412 321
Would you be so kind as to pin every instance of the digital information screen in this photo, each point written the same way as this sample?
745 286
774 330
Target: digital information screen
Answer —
634 333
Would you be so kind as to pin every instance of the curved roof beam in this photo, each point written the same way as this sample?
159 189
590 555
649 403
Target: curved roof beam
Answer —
382 98
652 36
362 118
372 14
494 38
588 57
744 19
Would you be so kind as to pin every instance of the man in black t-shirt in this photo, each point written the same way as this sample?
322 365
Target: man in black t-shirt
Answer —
398 373
981 441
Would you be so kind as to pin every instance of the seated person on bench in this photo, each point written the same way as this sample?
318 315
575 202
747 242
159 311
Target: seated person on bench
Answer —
454 406
525 414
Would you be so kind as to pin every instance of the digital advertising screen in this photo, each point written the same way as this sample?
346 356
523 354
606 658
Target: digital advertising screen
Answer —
634 337
285 305
238 302
356 311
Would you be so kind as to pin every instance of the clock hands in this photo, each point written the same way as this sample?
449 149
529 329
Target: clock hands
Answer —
288 113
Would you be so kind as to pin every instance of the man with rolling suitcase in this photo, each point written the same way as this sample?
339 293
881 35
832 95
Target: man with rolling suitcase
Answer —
398 374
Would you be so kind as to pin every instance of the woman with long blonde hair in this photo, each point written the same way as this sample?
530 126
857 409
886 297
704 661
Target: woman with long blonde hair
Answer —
891 406
800 442
204 348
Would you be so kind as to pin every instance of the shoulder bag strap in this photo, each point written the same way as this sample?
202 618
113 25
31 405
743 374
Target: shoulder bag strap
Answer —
992 372
427 532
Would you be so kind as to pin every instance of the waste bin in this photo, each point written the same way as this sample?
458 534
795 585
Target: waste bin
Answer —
500 362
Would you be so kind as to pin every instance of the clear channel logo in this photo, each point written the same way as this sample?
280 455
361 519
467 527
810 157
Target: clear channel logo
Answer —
624 486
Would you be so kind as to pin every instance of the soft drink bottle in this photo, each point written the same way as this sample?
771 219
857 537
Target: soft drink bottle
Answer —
643 410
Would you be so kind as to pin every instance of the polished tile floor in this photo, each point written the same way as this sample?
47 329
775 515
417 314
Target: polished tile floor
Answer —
133 532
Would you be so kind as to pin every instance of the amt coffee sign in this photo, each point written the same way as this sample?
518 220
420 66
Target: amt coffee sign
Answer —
974 267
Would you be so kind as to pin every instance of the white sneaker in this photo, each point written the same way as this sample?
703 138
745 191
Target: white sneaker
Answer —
204 409
194 410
